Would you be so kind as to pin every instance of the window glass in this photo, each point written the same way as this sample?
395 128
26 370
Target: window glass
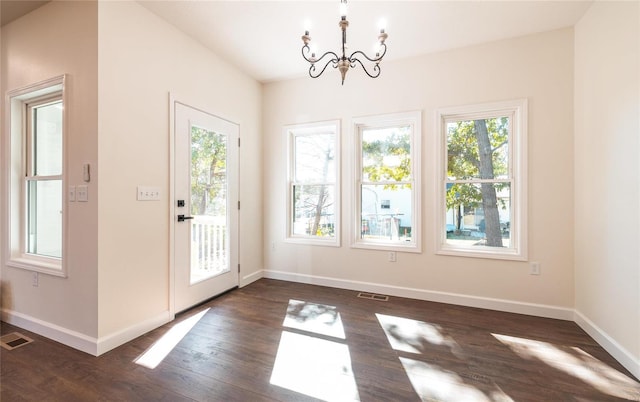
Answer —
44 218
477 151
314 158
47 139
479 214
387 220
313 210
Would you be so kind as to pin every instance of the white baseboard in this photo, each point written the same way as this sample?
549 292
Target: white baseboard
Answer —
65 336
82 342
106 343
252 277
609 344
539 310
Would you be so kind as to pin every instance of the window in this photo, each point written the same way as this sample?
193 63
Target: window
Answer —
35 188
482 193
387 190
313 201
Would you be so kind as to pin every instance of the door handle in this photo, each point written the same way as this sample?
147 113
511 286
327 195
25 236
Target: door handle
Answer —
182 218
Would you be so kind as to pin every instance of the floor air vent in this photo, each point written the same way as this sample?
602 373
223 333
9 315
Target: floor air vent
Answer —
14 340
373 296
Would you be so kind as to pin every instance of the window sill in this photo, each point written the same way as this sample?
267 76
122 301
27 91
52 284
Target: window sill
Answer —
482 252
42 265
399 247
313 242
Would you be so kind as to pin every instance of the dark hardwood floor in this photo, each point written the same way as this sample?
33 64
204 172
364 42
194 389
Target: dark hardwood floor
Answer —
281 341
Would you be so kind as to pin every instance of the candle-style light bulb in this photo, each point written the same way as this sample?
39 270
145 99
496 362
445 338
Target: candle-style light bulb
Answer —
343 9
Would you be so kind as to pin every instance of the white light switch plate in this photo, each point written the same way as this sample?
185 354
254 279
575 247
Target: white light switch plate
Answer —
82 193
71 195
147 193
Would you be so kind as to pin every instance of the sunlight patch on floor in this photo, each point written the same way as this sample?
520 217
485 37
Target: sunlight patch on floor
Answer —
576 363
317 318
163 346
314 367
414 336
434 383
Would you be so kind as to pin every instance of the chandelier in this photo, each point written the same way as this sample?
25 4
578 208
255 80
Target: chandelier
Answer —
343 63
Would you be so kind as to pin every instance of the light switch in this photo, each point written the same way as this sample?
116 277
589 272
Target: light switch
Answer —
82 193
147 193
71 195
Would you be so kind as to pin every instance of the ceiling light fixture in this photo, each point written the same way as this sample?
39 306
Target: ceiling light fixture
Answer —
343 63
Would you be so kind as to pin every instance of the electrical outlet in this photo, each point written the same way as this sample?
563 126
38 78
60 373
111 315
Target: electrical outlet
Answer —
392 256
34 280
534 268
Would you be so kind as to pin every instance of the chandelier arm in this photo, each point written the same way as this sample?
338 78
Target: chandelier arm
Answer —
376 67
312 68
373 60
304 56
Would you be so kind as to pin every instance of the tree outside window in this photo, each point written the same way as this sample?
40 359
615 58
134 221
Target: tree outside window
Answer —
313 166
208 172
483 202
477 180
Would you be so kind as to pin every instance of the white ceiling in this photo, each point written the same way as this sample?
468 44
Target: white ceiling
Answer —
262 38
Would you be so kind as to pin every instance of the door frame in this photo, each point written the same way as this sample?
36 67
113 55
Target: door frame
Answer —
173 100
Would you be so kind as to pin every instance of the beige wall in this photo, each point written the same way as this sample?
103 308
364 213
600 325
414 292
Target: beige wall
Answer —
60 38
537 67
607 189
122 62
141 60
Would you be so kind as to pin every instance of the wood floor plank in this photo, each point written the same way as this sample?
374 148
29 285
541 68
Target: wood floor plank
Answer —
399 350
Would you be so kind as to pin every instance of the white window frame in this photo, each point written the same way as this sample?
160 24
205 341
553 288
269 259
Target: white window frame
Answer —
516 110
414 119
15 157
291 132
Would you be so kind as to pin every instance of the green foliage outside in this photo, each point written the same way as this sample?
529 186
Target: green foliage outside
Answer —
208 172
387 158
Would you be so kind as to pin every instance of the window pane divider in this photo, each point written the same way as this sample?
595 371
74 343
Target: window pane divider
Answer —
478 181
43 178
384 183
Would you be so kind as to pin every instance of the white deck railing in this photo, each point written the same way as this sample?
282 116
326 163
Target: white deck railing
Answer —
208 245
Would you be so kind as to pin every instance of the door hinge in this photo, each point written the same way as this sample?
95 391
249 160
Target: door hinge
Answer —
238 141
238 204
238 268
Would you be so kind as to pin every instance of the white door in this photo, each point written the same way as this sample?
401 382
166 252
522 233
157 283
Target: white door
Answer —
206 206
